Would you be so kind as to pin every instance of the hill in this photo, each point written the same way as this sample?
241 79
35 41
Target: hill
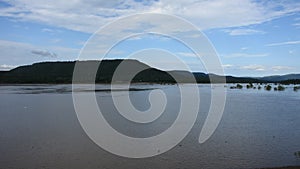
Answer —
279 78
62 72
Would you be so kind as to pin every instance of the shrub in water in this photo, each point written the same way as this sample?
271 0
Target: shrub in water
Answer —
268 87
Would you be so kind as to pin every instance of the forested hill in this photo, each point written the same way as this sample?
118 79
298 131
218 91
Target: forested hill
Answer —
62 72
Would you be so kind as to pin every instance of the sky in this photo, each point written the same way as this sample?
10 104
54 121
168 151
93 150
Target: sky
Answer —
251 37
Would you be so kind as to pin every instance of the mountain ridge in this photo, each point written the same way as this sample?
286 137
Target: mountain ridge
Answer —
62 72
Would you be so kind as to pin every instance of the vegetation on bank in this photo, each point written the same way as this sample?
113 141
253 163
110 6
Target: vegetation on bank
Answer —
293 81
296 88
250 85
267 87
281 88
238 86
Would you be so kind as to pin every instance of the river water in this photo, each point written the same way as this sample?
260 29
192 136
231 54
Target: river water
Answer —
39 129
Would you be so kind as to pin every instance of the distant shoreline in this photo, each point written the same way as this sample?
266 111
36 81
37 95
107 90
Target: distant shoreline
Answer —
63 73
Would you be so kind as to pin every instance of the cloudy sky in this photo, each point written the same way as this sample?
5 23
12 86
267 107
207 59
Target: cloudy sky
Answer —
251 37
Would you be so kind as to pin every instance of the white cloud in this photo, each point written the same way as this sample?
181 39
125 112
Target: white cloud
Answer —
55 40
89 15
296 24
7 67
244 48
254 67
284 43
187 54
16 53
51 31
227 66
291 52
233 55
44 53
279 68
47 30
236 32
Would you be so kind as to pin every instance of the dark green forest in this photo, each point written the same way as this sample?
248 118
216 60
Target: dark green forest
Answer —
62 73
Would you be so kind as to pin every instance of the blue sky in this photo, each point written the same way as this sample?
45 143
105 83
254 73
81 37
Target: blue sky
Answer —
252 38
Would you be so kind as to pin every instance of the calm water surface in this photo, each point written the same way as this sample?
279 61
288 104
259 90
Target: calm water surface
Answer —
39 129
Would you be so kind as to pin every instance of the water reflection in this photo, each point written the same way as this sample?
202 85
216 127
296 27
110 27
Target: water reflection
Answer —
39 129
